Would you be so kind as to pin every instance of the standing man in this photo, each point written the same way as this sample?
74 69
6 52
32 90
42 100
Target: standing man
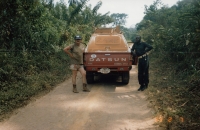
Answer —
141 49
75 51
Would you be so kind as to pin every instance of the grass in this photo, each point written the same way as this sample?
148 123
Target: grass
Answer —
22 83
174 94
176 106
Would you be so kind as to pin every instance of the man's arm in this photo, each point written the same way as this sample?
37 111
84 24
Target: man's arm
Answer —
148 48
68 51
133 50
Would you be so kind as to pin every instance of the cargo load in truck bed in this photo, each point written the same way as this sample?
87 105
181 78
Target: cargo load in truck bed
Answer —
107 39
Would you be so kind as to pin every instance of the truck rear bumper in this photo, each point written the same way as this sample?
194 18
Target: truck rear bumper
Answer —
112 69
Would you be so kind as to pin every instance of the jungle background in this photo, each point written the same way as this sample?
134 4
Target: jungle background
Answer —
33 34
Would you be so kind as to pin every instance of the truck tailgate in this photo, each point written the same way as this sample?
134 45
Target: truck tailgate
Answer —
108 60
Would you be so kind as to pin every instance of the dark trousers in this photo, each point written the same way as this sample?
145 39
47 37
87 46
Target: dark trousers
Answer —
143 71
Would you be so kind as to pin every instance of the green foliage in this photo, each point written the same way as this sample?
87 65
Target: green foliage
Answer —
129 33
174 33
73 2
25 76
75 11
172 96
33 34
119 19
31 27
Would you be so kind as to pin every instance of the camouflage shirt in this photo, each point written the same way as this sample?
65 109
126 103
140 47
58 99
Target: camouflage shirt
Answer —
77 52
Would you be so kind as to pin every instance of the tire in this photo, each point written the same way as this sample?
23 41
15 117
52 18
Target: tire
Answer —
89 77
125 77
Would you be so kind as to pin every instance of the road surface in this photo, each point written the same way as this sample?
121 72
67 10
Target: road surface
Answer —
109 106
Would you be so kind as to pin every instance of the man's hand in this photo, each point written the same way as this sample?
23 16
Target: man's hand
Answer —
148 52
71 55
133 53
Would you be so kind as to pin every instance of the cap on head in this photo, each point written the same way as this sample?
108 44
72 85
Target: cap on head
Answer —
77 37
138 37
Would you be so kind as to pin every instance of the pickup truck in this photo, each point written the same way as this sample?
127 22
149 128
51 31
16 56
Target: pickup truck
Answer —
108 53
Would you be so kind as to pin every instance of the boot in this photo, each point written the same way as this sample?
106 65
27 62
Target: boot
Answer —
74 89
142 88
146 86
85 88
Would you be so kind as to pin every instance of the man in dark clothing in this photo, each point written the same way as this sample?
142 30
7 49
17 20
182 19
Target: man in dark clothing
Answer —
141 49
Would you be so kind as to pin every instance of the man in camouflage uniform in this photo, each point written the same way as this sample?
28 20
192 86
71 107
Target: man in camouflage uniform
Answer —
75 51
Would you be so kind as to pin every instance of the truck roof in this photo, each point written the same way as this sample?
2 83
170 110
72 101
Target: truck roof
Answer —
107 39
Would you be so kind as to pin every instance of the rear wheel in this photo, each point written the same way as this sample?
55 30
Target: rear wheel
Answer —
125 77
89 77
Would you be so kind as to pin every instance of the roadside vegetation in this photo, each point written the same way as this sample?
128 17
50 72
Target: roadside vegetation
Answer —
175 62
34 33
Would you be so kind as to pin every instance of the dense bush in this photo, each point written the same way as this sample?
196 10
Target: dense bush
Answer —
33 35
174 33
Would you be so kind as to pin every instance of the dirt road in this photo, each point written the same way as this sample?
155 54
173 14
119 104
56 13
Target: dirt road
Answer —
109 106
